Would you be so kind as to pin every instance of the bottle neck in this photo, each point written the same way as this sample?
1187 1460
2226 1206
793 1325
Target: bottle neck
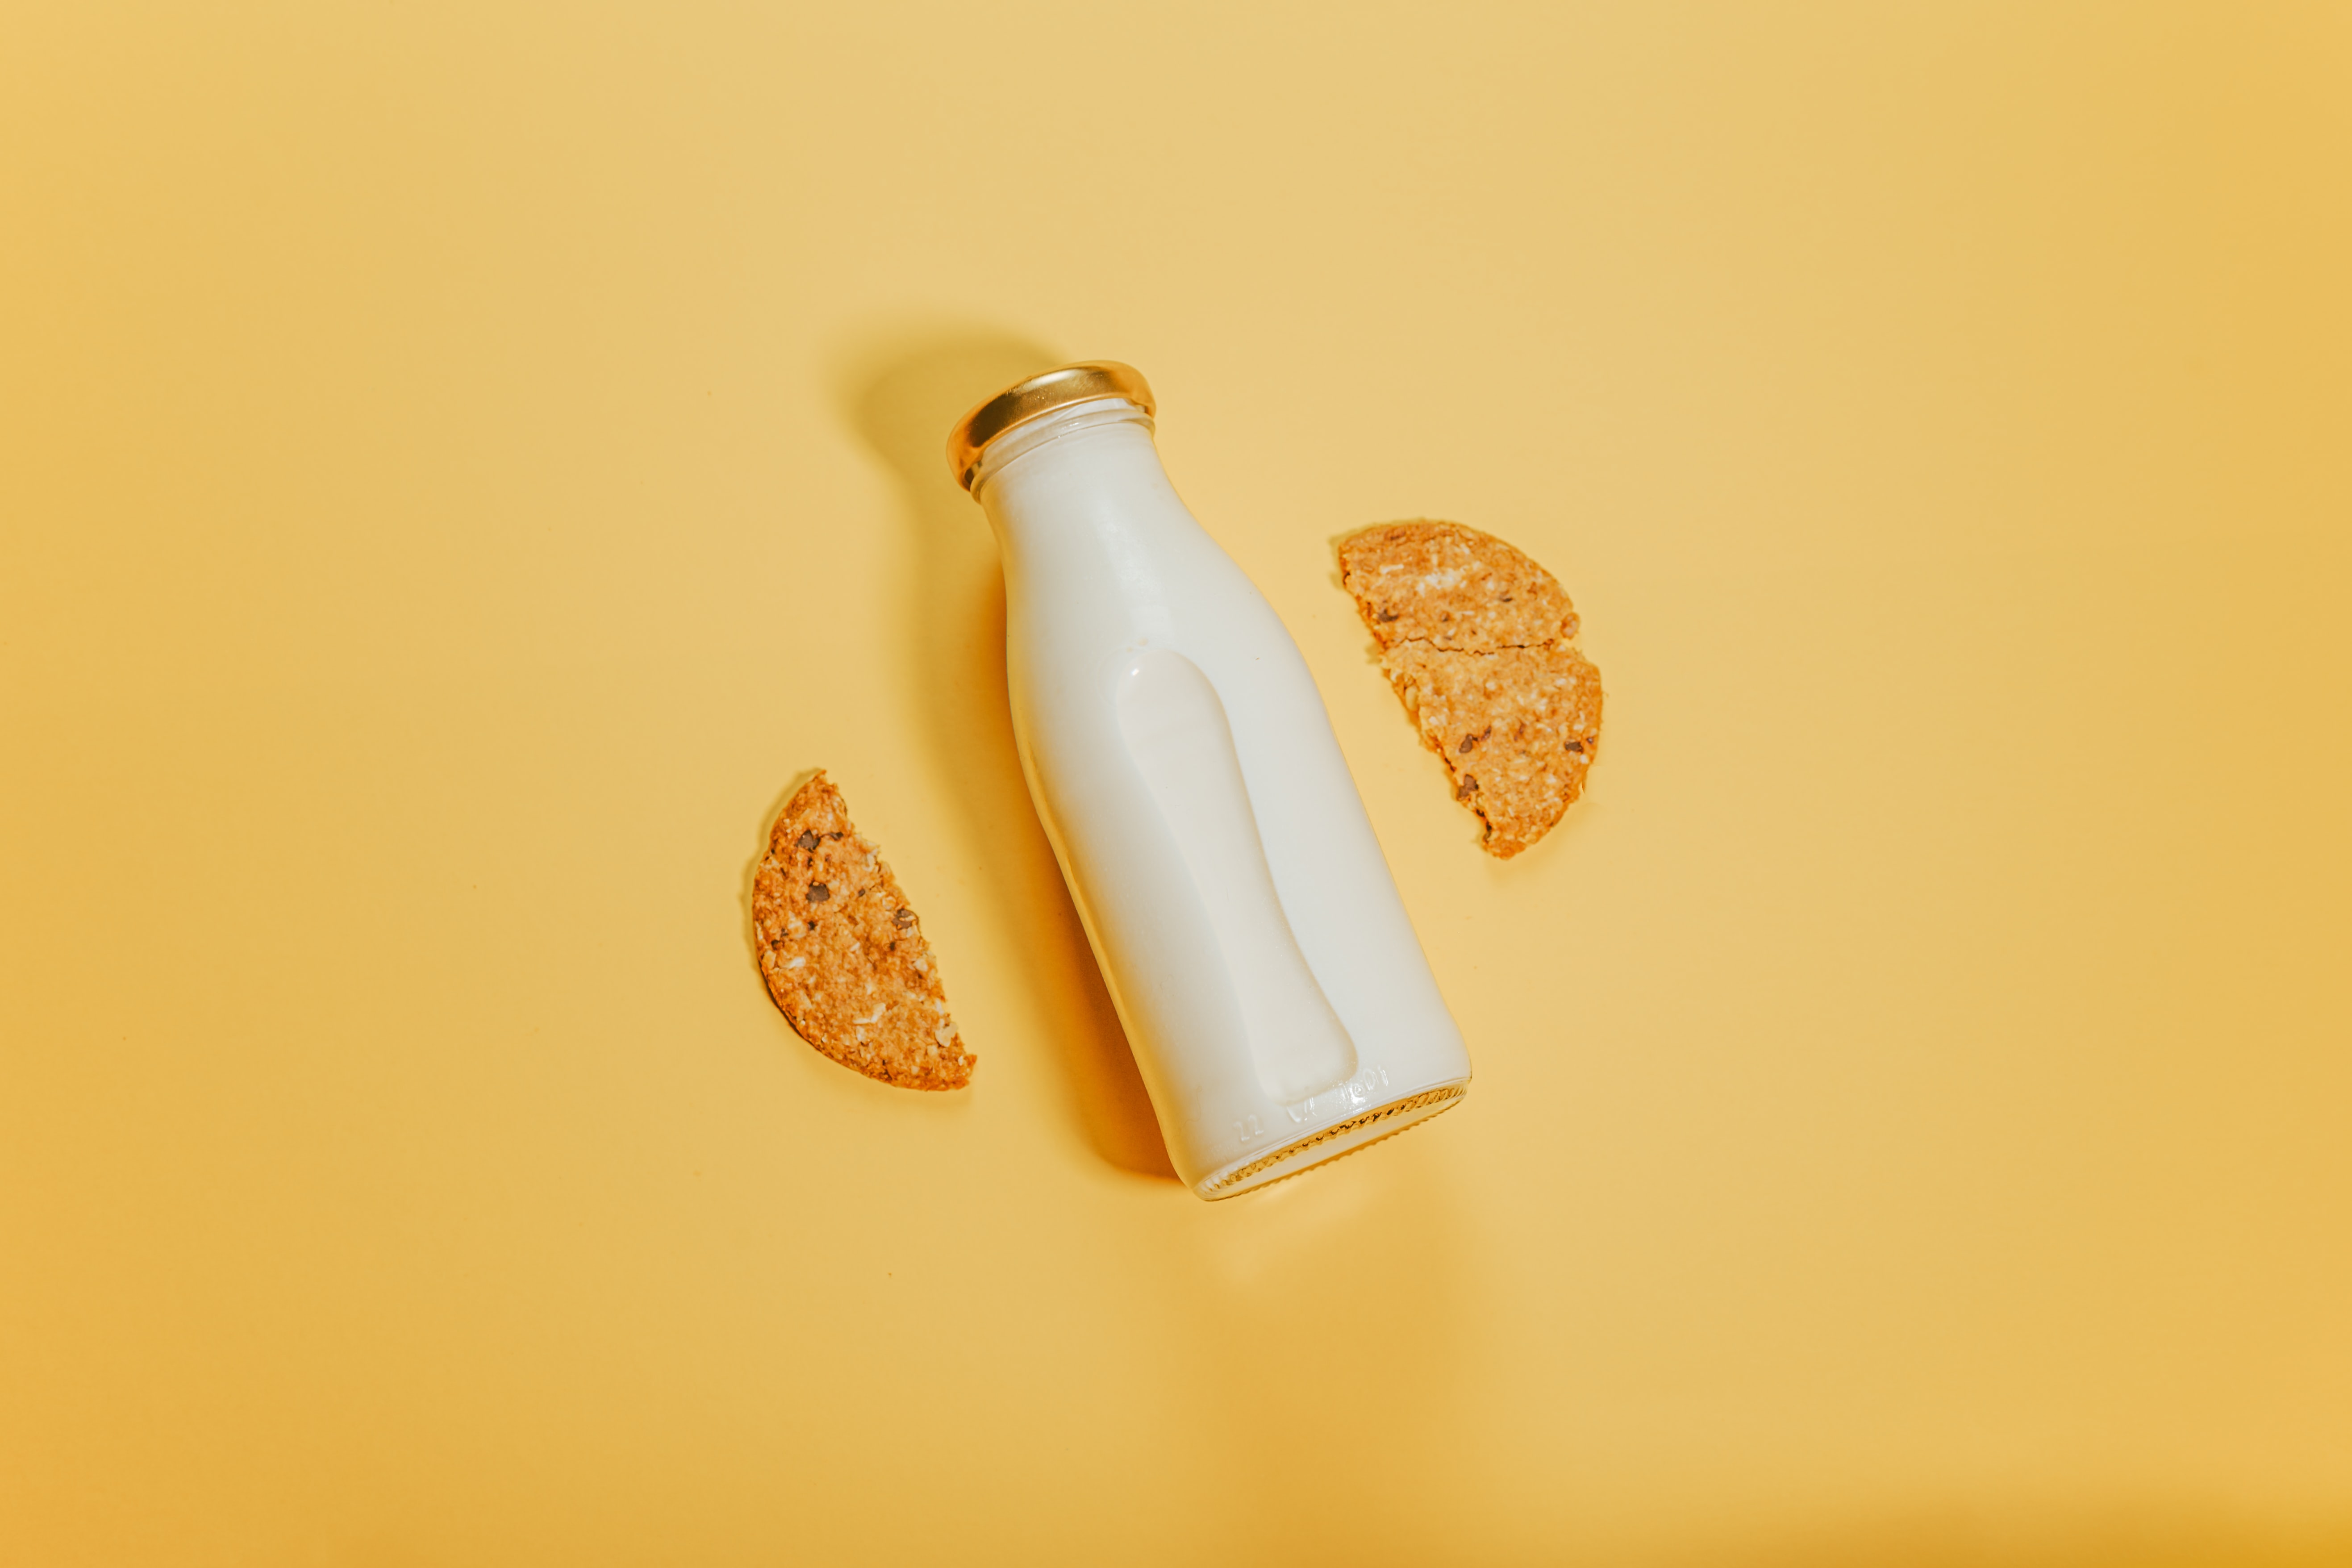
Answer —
1061 425
1061 471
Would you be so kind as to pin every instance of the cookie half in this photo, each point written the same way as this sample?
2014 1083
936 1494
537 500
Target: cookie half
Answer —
844 953
1452 588
1478 641
1518 729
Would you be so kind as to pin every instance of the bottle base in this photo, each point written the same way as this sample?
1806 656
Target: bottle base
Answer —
1328 1143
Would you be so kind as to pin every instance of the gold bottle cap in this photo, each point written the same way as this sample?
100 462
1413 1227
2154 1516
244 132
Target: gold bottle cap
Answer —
1039 395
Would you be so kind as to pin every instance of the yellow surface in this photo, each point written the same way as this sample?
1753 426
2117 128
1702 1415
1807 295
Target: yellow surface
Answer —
460 466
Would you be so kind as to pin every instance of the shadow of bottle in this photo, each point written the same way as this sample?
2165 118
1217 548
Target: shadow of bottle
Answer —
903 397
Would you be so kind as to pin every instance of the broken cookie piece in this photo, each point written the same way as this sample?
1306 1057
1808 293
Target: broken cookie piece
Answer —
844 953
1452 588
1517 727
1478 641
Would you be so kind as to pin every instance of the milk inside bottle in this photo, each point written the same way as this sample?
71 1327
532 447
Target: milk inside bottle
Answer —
1277 1002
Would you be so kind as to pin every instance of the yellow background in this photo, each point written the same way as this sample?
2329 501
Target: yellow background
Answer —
459 465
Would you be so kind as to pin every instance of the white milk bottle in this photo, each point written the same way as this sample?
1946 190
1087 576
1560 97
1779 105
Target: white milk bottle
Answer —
1279 1006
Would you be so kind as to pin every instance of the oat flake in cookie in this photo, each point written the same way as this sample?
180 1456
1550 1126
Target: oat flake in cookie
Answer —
1478 641
844 955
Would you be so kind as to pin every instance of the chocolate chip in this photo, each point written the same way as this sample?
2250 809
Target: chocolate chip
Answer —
806 840
819 892
1577 746
1467 741
1386 615
833 836
1469 787
904 919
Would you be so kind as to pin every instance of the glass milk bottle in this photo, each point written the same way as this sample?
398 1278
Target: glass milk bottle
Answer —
1277 1002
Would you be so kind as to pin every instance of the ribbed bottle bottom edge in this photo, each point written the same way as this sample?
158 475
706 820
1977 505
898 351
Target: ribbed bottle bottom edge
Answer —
1336 1141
